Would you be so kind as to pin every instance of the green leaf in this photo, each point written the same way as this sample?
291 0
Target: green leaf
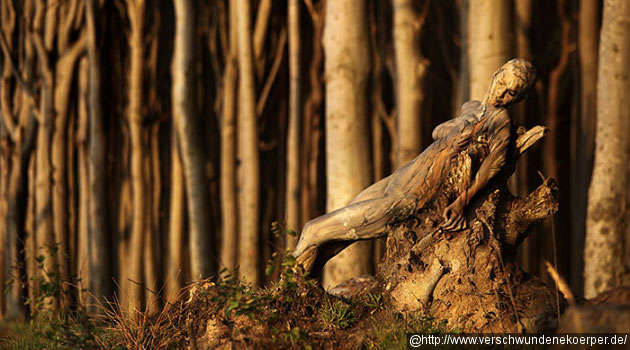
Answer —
231 305
289 261
295 334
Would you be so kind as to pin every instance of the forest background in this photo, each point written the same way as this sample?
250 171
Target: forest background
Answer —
145 143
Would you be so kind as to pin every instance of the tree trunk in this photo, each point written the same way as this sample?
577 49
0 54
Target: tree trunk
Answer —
428 269
149 261
82 263
229 212
312 122
99 260
176 226
463 85
293 143
347 68
518 182
64 76
583 138
14 183
607 192
188 137
249 171
411 68
488 45
135 119
44 227
260 34
5 261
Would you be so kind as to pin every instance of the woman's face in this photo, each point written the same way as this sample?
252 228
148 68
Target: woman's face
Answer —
507 86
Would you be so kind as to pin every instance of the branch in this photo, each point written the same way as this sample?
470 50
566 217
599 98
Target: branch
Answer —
77 49
65 26
524 212
315 15
260 30
9 59
273 73
562 284
42 56
530 137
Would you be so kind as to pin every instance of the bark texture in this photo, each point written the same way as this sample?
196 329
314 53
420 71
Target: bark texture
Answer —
43 205
608 190
249 186
187 126
229 228
83 261
99 259
411 68
176 226
470 277
132 292
293 142
488 44
583 135
347 68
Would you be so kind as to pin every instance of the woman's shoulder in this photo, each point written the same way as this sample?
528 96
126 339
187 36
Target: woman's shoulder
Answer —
470 107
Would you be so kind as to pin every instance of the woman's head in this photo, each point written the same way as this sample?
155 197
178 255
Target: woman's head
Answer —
511 83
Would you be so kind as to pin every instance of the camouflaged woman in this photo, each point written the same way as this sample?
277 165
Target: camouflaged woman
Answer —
416 183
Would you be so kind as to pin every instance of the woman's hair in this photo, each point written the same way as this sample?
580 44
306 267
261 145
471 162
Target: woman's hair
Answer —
525 75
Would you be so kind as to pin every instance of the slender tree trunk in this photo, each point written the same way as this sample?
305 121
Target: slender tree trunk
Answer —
347 65
260 34
64 75
135 117
17 199
13 164
293 143
45 234
311 125
30 244
44 226
82 263
249 203
149 264
518 181
228 143
379 115
176 226
584 133
187 126
411 68
99 258
550 157
488 45
607 192
463 86
5 248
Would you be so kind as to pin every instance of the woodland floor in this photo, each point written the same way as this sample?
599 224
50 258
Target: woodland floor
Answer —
295 314
225 314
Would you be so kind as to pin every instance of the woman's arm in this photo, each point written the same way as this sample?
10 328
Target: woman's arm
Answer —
466 116
498 129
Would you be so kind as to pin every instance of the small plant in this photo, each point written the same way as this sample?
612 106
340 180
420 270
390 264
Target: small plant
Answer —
391 332
375 302
237 297
57 324
335 314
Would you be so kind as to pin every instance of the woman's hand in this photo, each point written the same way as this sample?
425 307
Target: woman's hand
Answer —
454 216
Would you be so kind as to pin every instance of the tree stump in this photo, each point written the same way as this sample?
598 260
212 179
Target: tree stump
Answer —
470 277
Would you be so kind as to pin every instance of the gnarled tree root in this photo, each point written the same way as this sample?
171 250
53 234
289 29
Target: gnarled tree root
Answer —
470 277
